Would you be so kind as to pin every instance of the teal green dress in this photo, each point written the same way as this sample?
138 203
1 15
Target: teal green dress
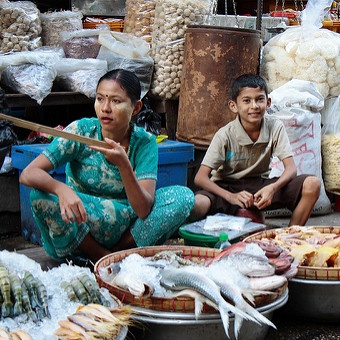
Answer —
100 187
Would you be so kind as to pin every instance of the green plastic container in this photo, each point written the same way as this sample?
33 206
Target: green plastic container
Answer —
199 240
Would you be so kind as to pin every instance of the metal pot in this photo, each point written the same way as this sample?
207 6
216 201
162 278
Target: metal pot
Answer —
184 326
314 299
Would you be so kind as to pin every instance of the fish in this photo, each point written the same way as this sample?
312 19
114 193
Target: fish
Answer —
229 282
131 282
182 278
198 298
267 282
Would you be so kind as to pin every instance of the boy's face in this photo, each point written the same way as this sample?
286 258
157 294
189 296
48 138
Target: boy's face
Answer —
251 105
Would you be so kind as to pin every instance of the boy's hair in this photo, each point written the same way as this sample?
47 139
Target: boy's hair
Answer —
247 80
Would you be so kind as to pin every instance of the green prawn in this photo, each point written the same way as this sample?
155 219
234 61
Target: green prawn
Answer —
16 293
5 287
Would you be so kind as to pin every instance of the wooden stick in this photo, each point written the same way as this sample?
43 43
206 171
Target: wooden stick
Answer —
54 132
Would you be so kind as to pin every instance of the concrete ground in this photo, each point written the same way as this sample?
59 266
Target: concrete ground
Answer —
291 326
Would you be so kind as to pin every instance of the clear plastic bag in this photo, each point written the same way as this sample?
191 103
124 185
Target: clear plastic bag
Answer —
20 26
306 52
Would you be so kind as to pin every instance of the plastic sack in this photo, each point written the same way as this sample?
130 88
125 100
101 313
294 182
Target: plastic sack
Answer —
303 126
54 23
7 135
36 81
172 18
20 26
149 119
330 145
139 18
81 44
130 53
40 56
80 75
306 52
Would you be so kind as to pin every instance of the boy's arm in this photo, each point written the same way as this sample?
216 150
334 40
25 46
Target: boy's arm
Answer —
202 179
263 197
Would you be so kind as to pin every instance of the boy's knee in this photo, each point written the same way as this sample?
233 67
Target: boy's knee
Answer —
312 185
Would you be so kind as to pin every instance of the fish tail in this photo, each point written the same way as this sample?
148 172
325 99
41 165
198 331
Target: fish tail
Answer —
225 319
259 317
237 325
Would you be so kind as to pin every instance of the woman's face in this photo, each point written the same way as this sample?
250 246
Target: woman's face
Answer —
113 107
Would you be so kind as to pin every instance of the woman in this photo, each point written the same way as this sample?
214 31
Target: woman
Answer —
109 201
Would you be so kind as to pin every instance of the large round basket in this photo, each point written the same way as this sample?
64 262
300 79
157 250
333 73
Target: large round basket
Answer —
179 304
304 272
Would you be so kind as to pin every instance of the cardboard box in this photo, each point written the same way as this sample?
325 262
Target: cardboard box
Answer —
172 170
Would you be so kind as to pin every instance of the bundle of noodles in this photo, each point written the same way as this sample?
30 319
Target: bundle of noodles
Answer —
94 321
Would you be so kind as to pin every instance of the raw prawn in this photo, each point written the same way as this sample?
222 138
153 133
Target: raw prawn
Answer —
5 288
16 293
80 291
68 288
42 296
26 303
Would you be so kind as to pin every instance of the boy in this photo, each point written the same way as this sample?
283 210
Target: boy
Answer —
234 172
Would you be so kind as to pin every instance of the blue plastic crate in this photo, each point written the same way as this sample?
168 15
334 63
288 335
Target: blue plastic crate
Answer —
173 162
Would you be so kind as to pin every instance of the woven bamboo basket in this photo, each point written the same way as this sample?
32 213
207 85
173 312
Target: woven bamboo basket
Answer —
305 272
179 304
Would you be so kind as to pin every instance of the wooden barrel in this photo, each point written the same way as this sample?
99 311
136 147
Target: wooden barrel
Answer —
213 57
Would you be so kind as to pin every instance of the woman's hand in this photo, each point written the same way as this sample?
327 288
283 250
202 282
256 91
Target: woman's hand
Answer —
71 207
116 155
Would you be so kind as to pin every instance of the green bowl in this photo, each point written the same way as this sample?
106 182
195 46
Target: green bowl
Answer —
200 240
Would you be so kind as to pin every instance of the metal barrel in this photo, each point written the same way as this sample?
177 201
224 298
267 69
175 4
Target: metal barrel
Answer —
213 57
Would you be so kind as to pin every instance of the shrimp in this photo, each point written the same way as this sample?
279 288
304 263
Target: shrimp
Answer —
91 287
26 303
42 296
5 288
69 291
16 293
31 285
80 291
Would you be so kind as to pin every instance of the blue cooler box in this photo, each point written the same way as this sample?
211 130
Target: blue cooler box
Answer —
173 162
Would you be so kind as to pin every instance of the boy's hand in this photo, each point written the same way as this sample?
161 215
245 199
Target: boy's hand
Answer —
263 198
244 199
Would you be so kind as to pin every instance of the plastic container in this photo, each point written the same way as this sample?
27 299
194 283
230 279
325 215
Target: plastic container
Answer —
193 239
223 242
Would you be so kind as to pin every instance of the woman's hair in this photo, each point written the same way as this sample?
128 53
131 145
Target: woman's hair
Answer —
247 80
127 80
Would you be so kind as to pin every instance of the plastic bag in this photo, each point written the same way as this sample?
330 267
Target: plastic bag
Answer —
303 126
172 18
81 44
20 26
7 135
130 53
330 144
149 119
305 52
80 75
55 22
139 18
34 80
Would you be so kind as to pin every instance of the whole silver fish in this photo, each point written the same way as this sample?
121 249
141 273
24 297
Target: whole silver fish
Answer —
182 278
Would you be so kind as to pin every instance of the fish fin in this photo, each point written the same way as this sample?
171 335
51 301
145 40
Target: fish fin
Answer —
237 325
225 319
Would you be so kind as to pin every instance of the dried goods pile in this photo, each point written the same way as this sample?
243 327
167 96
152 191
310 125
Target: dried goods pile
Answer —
20 26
